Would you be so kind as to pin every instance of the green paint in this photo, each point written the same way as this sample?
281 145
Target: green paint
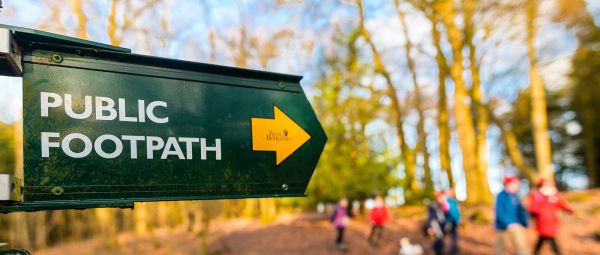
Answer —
202 101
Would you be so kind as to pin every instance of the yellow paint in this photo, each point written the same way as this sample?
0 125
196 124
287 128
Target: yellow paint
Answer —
280 134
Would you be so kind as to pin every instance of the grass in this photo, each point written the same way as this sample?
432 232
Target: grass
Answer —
579 196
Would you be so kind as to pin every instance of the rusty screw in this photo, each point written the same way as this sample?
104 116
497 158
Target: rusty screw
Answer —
57 58
57 191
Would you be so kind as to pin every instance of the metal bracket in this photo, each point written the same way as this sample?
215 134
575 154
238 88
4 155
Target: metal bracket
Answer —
10 189
10 54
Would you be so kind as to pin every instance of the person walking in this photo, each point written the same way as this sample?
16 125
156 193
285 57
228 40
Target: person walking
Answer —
453 220
378 216
511 217
340 219
545 203
436 221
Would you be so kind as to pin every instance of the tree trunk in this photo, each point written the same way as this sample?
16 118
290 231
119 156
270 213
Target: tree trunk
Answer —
422 133
163 214
186 215
410 183
19 230
268 209
462 111
41 230
512 147
250 208
477 96
590 139
539 119
77 8
77 224
18 136
443 115
105 218
112 24
140 219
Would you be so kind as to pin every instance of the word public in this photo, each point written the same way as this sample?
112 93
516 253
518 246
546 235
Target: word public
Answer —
108 109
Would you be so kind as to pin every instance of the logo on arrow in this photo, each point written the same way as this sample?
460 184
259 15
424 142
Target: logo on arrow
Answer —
280 134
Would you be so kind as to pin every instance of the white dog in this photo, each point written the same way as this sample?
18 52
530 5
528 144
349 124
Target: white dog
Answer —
406 248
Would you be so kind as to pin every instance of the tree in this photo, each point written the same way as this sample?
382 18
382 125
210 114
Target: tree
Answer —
477 191
480 113
411 185
77 8
422 141
511 145
442 104
539 118
7 147
584 79
354 164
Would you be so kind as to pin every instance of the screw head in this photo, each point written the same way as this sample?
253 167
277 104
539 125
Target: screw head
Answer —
57 58
285 187
281 84
57 191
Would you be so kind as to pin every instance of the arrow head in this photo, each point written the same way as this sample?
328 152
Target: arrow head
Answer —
293 135
280 134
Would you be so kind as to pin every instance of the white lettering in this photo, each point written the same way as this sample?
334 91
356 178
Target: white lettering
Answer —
46 144
123 113
133 139
204 149
101 108
66 145
153 143
141 111
45 104
172 148
150 112
104 108
87 110
166 146
188 145
102 153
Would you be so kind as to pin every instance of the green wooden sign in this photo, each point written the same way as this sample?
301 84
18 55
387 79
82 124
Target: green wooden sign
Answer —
104 125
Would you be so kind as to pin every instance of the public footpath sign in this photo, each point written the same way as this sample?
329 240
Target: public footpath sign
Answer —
105 128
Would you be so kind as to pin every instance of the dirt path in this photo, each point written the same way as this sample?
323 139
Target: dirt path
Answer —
312 234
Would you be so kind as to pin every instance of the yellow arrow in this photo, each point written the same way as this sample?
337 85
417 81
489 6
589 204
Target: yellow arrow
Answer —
280 134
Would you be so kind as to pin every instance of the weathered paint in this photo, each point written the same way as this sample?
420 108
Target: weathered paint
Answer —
208 101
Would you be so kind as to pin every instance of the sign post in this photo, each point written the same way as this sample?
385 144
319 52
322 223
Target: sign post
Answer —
104 127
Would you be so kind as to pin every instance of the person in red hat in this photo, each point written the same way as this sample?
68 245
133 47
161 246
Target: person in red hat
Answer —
511 217
545 203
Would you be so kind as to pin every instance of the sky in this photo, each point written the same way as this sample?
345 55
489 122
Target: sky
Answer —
186 38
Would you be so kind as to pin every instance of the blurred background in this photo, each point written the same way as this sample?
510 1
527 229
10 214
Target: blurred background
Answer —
414 95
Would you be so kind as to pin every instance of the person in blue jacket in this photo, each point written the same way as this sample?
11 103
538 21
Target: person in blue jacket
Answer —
511 217
453 216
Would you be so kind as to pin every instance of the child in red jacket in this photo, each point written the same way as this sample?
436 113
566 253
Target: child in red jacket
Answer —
378 217
545 204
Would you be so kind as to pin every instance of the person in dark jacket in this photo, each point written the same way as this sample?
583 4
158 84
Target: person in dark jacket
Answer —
511 217
545 205
453 219
436 221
